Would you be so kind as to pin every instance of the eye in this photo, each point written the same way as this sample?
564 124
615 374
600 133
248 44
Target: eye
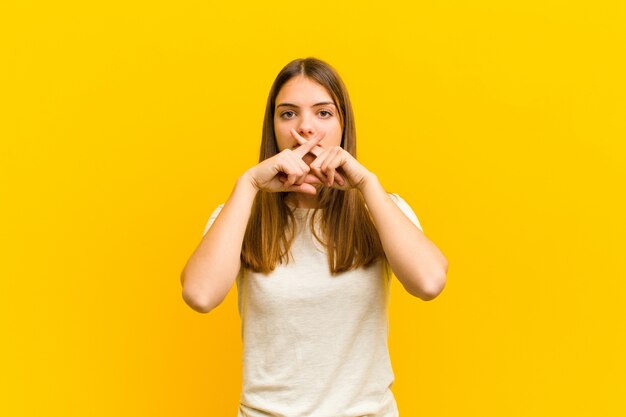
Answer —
285 113
327 112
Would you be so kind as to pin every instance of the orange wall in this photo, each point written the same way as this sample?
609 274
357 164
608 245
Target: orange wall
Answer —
124 124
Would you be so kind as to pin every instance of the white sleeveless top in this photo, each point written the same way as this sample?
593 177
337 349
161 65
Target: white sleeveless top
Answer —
315 345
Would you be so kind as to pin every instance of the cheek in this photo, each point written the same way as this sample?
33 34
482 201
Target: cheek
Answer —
336 137
282 137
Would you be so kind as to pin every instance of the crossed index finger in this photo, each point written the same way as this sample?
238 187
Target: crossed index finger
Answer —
303 149
317 150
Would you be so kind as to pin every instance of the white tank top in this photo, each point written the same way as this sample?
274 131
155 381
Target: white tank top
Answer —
315 345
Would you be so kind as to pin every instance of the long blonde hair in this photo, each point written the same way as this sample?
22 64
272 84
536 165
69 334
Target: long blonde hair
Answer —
349 234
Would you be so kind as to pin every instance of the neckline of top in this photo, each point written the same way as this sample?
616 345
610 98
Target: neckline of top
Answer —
301 208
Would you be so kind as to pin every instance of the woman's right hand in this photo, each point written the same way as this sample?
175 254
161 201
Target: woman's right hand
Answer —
286 171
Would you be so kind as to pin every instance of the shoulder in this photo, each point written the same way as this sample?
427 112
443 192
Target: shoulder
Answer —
406 209
395 197
212 218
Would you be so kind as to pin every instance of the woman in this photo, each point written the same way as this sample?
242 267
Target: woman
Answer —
309 235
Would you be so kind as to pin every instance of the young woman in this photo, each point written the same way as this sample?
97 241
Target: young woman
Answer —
310 237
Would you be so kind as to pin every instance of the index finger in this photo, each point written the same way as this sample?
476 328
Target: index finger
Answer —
317 150
306 147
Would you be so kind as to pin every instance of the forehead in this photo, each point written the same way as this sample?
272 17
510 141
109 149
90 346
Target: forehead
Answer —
303 91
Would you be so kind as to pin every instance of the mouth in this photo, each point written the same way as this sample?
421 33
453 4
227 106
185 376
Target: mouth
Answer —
308 158
307 154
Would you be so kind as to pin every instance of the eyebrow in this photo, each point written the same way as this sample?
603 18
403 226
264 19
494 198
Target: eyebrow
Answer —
297 107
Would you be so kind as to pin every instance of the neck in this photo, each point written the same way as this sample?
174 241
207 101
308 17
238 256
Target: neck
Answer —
301 200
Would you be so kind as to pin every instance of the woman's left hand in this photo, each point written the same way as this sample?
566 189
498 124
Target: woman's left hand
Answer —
333 160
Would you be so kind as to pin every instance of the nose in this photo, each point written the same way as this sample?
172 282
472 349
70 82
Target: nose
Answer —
306 128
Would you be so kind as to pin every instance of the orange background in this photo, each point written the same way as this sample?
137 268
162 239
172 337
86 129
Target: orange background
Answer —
124 124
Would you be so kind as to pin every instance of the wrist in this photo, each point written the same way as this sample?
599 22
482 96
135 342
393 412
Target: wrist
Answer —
368 179
248 179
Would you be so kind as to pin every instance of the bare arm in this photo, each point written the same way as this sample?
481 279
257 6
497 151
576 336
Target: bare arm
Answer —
212 269
415 260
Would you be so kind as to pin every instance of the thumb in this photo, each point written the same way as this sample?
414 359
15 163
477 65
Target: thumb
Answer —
305 188
312 179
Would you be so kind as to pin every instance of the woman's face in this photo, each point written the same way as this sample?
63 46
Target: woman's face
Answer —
307 107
